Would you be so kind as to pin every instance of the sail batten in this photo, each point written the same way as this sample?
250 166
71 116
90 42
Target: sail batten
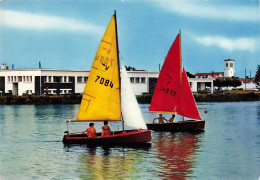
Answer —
172 93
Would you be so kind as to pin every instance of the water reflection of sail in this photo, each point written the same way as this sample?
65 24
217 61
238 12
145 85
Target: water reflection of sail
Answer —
176 153
103 164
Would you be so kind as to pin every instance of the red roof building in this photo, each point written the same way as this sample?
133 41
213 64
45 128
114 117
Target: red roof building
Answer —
208 75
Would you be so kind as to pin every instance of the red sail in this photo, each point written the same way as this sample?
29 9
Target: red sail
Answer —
167 90
172 92
187 106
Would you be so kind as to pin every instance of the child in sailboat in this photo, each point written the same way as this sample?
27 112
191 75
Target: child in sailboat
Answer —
160 119
171 118
106 129
91 131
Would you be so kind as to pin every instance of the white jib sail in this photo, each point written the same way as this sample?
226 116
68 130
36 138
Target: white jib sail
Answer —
131 112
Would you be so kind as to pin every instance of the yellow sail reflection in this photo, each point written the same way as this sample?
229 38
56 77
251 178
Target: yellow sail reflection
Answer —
101 96
109 166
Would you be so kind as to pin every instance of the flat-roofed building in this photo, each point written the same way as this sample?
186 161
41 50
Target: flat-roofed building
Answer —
54 81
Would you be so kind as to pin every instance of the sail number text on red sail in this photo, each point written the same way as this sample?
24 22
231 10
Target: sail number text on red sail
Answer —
104 81
168 91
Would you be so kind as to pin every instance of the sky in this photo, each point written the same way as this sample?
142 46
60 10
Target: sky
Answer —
65 34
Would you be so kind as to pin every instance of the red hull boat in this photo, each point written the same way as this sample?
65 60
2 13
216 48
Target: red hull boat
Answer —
189 125
118 137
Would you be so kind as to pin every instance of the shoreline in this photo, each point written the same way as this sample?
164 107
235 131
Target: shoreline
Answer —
228 96
142 99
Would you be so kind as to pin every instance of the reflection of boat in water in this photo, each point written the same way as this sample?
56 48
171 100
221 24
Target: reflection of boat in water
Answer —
176 152
110 163
172 94
105 97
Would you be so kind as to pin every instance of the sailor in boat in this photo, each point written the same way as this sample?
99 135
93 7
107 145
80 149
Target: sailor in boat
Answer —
160 119
106 129
171 118
91 131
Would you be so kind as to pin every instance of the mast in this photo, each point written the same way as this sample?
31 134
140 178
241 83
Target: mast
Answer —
118 66
182 117
180 50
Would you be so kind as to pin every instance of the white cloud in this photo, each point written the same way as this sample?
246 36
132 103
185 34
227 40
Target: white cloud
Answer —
248 44
207 10
42 22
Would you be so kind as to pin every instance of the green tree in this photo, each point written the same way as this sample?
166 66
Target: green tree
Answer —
218 83
236 82
257 75
228 82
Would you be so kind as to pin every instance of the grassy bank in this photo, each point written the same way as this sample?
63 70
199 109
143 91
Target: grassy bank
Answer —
227 96
43 99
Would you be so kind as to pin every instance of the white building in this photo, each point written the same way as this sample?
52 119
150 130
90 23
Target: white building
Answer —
42 81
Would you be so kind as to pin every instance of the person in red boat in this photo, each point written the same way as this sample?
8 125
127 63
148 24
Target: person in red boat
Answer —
171 118
160 119
91 131
106 129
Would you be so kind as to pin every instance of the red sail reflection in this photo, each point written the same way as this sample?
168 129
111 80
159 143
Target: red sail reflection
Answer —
176 153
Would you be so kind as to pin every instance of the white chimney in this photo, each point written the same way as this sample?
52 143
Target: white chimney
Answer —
4 66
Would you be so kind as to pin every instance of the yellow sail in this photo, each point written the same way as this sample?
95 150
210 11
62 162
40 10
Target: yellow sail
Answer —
101 96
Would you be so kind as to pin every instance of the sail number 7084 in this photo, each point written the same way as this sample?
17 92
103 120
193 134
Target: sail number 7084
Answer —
104 81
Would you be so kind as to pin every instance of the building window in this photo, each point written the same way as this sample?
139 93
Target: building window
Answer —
65 78
44 78
49 78
71 79
231 64
8 78
56 79
132 80
142 80
20 78
79 79
137 80
85 79
226 64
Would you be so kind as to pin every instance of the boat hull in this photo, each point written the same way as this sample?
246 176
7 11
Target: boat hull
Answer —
189 125
118 138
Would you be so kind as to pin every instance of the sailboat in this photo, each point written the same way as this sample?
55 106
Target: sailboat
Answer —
173 94
105 97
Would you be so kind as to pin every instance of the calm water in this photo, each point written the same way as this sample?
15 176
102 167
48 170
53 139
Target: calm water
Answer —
31 147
